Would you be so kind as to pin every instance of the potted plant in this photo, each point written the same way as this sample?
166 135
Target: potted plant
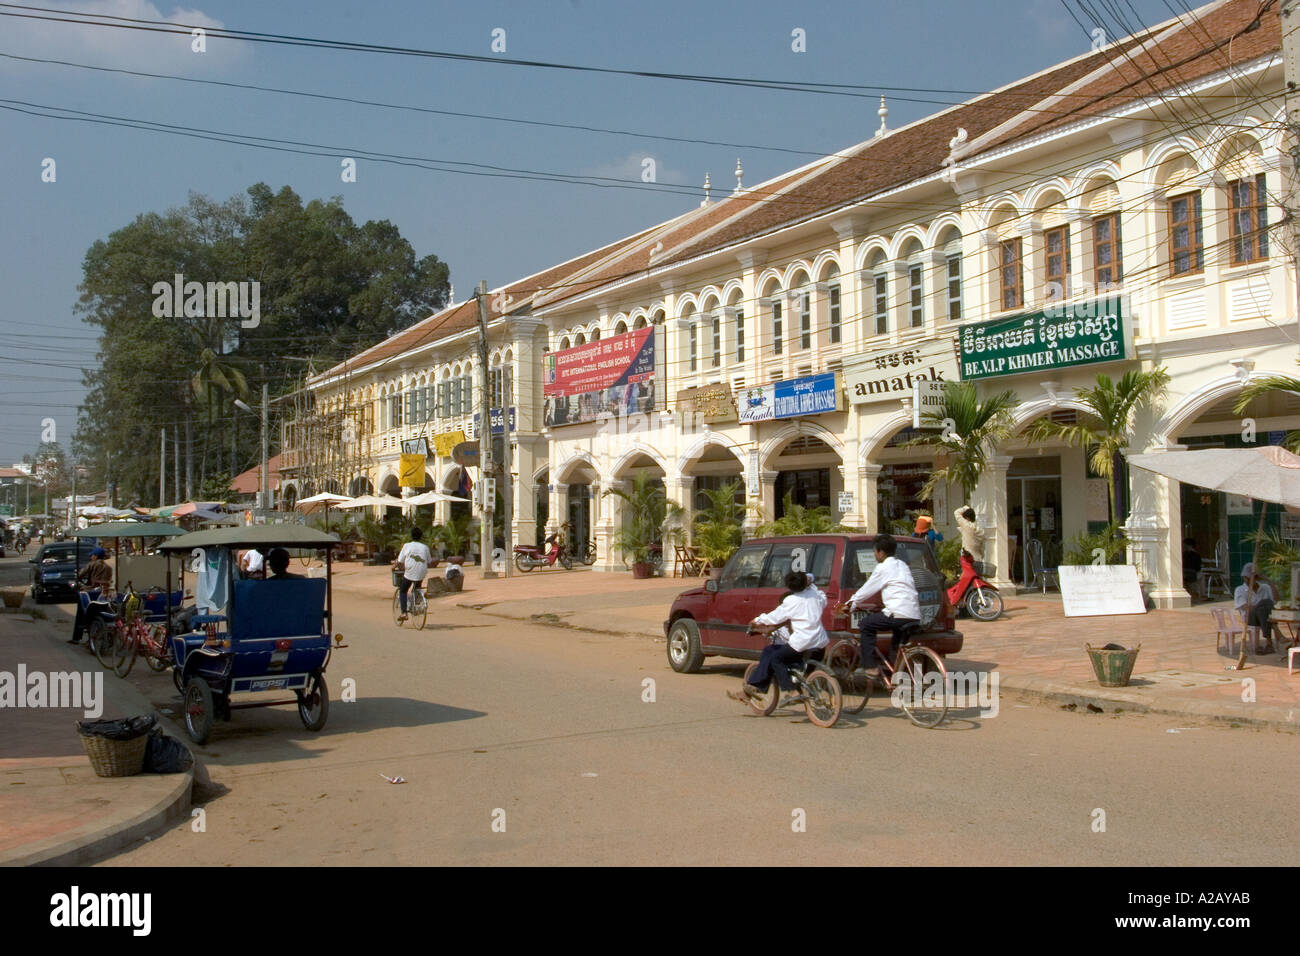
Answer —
718 526
649 519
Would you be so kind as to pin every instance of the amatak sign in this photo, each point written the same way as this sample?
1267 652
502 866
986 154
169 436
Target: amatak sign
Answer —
893 373
1078 334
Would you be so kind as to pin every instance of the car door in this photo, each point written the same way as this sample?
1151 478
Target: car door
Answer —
732 607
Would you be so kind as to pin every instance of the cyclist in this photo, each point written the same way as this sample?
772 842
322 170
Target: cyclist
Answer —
413 560
892 580
801 611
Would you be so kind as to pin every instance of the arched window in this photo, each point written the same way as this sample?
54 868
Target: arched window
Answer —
620 328
1241 162
738 312
834 306
915 285
951 246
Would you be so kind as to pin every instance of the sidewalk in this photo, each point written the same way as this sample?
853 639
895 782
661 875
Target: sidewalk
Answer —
55 811
1037 651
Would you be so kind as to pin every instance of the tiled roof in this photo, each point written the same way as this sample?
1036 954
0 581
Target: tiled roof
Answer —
1169 55
247 482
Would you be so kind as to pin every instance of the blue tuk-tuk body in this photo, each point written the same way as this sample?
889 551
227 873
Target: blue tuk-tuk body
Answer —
274 636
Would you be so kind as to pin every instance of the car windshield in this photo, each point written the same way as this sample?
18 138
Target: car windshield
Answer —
860 561
64 554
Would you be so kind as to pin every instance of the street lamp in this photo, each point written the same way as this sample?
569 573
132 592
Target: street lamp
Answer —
262 504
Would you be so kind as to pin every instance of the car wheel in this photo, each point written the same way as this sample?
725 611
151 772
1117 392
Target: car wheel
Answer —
684 652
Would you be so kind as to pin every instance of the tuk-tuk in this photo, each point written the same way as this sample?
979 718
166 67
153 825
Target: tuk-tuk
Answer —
260 635
147 575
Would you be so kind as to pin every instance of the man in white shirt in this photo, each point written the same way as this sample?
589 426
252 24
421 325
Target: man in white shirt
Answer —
801 612
892 580
1258 608
413 560
252 564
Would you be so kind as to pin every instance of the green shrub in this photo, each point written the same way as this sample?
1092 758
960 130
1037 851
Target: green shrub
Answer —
800 520
1275 559
1109 539
949 553
718 527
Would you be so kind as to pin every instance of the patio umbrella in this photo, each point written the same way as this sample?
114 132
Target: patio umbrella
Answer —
1267 472
324 500
370 501
431 498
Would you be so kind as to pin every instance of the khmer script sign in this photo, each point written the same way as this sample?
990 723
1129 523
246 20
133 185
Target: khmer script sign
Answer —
1083 333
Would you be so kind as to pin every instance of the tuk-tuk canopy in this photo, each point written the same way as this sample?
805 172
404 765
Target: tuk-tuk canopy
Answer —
129 529
258 535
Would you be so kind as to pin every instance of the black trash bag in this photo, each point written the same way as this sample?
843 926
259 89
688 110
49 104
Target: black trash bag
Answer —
121 728
164 754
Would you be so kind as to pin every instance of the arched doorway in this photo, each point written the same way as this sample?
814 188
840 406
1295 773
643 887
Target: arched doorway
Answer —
807 472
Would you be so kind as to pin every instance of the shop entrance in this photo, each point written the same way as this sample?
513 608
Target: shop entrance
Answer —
1033 513
811 488
580 514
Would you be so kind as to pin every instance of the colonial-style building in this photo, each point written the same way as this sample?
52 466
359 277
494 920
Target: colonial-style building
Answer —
1118 211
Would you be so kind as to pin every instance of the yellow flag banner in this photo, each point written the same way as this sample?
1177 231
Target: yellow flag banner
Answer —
412 471
444 442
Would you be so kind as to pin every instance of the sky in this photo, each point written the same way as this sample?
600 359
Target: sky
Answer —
489 227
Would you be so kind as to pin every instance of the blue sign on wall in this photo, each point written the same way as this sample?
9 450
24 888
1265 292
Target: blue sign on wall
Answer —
791 398
498 421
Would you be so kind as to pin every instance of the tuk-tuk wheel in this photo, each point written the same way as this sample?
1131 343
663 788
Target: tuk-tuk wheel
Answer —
314 706
178 681
199 710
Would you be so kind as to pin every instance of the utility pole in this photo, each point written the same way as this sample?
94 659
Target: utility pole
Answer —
507 480
1291 77
162 469
486 477
262 502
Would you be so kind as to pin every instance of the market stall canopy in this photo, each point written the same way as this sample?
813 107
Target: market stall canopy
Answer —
185 508
1268 472
102 511
431 498
370 501
259 535
215 517
129 529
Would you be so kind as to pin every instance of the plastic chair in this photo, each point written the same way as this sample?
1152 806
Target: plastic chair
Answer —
1252 635
1226 629
1043 577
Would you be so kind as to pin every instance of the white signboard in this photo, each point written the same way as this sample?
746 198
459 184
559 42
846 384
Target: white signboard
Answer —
845 502
1089 590
891 373
927 397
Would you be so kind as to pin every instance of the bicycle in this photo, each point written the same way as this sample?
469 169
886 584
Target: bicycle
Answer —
913 675
100 632
137 636
417 607
816 687
587 555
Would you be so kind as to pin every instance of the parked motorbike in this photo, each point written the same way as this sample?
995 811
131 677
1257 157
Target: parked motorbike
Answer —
972 592
529 556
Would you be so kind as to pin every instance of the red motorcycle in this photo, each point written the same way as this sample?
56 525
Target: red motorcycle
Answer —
529 556
980 599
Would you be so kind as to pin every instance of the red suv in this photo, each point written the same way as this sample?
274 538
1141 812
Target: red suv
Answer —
711 620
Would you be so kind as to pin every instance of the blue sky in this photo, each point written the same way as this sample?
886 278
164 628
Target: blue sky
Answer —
486 228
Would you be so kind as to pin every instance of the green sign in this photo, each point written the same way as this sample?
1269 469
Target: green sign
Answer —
6 510
1078 334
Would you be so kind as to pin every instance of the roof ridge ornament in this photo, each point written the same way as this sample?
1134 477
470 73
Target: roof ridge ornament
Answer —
883 113
954 145
707 188
740 178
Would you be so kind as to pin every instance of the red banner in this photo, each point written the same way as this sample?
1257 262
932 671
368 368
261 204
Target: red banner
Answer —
618 360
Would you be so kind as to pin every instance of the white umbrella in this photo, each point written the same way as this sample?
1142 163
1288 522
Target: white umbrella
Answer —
431 498
324 500
370 501
1267 472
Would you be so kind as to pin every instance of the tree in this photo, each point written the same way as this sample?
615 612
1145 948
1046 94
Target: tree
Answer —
1107 426
718 526
969 431
799 519
329 287
1264 386
50 467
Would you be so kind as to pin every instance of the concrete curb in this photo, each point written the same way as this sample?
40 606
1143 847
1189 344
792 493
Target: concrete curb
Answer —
97 841
1043 690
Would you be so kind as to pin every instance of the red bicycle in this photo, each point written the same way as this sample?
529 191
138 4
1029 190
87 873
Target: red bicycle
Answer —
134 636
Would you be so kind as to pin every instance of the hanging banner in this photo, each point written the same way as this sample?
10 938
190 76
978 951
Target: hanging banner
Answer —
1080 334
893 373
613 376
411 471
444 442
791 398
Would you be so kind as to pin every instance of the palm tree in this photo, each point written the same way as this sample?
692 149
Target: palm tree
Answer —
718 526
652 518
976 429
800 519
211 378
1263 386
1107 426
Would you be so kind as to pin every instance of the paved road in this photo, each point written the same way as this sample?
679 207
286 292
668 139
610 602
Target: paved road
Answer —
550 727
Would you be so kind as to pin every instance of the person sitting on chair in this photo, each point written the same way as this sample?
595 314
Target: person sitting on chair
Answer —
1191 561
278 562
1256 610
800 610
892 580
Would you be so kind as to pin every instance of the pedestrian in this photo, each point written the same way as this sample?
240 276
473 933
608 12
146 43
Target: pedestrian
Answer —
97 574
972 536
925 529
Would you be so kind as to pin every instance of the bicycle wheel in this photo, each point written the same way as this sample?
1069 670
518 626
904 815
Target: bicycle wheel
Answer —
764 703
100 638
855 691
983 604
924 696
566 561
397 607
823 698
158 651
589 555
125 647
420 609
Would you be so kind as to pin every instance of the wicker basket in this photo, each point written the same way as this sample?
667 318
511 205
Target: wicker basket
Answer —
115 758
13 597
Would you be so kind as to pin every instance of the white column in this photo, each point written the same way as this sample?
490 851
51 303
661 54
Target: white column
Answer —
608 557
868 493
1154 533
991 510
682 490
